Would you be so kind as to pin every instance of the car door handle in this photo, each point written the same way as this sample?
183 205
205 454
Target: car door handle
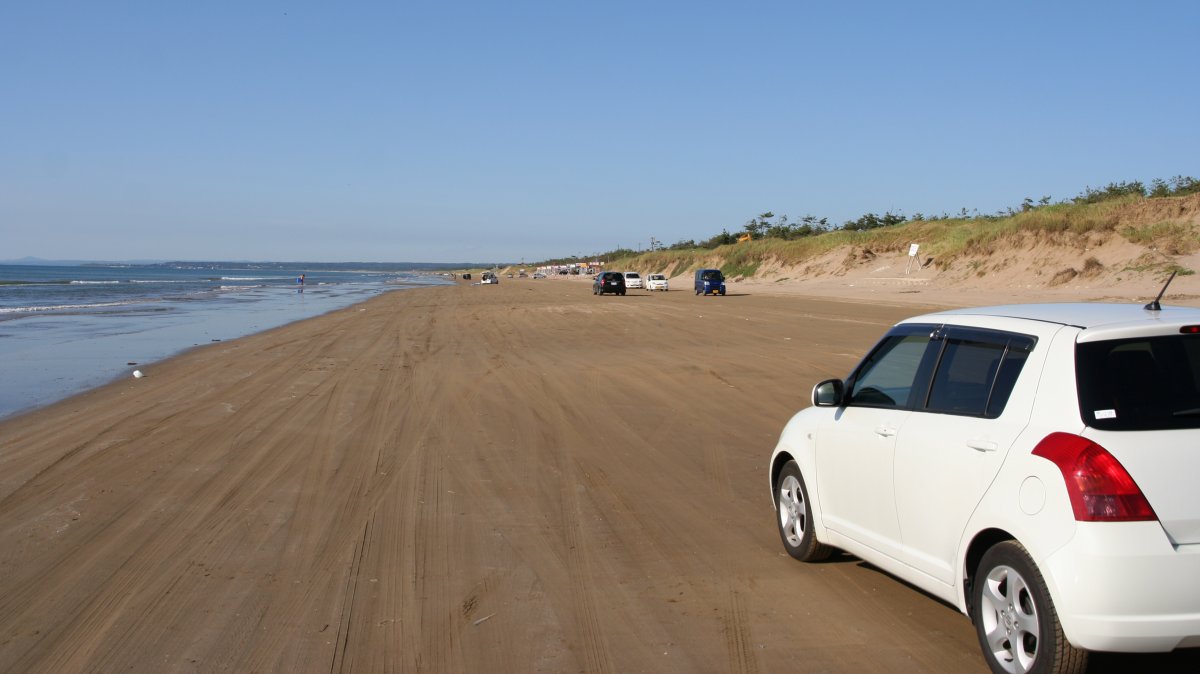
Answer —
884 431
983 445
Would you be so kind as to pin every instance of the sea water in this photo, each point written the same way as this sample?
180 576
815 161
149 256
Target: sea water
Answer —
64 329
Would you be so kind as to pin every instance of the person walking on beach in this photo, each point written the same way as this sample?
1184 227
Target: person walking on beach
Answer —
300 279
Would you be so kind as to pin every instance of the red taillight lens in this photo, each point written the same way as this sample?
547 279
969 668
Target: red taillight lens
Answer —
1100 488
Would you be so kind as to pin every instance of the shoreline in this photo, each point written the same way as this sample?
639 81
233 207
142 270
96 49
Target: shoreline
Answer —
53 356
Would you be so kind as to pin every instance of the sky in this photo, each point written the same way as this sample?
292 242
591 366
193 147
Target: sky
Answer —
527 130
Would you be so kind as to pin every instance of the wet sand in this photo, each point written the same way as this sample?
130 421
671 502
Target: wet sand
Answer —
510 478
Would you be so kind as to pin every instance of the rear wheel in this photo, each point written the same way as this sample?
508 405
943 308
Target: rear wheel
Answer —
1015 619
794 519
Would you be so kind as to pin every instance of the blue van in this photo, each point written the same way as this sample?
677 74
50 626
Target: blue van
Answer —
710 282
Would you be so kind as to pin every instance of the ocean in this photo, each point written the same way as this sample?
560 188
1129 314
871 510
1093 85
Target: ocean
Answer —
65 329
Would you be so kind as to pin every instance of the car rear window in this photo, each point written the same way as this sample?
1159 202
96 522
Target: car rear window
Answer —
976 371
1140 384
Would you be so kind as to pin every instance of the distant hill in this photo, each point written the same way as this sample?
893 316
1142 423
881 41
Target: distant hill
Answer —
29 260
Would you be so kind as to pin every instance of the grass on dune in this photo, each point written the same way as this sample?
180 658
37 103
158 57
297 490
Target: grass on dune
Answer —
943 239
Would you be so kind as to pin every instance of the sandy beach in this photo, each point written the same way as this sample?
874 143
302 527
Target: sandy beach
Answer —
510 478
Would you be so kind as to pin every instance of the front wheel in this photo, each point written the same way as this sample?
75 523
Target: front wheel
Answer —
1015 619
794 517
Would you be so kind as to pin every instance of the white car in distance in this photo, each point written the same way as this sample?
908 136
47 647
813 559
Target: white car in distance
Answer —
632 279
1033 465
656 282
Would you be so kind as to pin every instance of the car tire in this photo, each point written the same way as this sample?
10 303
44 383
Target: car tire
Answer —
794 517
1015 619
622 293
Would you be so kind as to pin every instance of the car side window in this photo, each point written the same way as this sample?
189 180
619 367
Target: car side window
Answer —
885 378
976 371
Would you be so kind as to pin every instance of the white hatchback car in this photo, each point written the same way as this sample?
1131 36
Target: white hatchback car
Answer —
1034 465
632 279
656 282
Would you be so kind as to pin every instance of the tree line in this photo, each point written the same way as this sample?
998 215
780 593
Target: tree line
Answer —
767 226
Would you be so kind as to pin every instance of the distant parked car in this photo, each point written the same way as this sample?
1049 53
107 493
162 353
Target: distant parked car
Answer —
1034 466
656 282
710 282
609 282
633 279
490 278
538 274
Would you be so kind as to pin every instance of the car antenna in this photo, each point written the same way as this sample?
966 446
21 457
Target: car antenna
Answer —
1155 306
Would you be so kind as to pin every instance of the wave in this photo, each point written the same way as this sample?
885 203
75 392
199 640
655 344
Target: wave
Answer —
94 283
34 283
67 307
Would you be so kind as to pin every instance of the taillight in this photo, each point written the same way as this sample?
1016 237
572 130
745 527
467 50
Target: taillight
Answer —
1100 488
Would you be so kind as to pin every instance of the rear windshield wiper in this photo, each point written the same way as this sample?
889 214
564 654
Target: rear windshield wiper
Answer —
1193 412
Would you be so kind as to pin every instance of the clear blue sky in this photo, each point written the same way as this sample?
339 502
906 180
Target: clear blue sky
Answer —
509 130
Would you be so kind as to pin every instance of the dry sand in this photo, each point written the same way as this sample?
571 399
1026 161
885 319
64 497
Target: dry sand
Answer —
511 478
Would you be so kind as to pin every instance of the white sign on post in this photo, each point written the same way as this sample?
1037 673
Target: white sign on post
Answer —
912 254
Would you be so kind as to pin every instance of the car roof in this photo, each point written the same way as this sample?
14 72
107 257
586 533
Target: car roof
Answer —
1098 317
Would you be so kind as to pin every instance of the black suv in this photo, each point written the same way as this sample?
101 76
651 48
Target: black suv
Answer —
609 282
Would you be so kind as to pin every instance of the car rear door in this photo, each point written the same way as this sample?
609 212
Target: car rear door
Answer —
952 446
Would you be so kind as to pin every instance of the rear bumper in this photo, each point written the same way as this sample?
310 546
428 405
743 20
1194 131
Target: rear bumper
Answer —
1124 587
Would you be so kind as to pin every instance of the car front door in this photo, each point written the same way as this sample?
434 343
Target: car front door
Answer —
855 448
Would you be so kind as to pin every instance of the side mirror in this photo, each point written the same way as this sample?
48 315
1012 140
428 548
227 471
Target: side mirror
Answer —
828 393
